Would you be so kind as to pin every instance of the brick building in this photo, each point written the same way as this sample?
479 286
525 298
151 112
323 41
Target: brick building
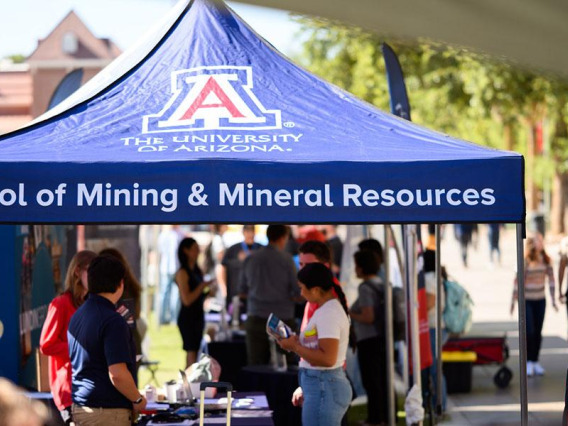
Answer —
26 89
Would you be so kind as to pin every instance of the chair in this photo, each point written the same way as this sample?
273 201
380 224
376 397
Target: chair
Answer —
152 367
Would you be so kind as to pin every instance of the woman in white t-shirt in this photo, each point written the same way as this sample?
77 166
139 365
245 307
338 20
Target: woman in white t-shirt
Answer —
325 391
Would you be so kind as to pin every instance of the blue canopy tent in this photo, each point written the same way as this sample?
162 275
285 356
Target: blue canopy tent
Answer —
204 122
212 124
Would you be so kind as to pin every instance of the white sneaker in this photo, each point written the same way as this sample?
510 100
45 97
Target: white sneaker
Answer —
538 370
530 369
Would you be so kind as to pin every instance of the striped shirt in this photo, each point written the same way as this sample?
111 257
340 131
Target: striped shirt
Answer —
535 280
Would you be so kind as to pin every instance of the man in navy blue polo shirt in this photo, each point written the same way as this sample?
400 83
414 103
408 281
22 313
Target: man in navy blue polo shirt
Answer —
102 352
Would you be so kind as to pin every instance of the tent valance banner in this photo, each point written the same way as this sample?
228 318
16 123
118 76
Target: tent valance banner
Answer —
204 121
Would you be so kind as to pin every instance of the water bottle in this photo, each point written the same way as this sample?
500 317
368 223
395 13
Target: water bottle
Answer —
150 393
277 358
171 391
273 361
281 363
236 317
223 326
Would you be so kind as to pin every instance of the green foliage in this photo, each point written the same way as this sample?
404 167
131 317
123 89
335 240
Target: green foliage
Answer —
558 103
166 347
453 90
543 171
17 59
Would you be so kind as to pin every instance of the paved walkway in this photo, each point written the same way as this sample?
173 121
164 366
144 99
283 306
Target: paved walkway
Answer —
490 286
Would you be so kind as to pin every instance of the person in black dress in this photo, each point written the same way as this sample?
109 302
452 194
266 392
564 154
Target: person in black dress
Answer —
192 287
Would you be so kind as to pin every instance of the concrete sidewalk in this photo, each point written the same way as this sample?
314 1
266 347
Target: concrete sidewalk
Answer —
490 287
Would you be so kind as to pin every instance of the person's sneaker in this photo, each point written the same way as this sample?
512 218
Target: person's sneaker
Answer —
530 369
538 370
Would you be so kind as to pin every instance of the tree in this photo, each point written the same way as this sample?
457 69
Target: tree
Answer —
352 59
462 93
17 59
559 155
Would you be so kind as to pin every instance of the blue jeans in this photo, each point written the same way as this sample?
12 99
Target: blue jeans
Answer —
327 395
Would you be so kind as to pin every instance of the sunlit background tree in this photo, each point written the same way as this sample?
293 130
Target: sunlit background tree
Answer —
466 94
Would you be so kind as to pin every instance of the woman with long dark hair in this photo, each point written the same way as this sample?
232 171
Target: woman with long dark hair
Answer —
322 346
538 267
53 340
189 279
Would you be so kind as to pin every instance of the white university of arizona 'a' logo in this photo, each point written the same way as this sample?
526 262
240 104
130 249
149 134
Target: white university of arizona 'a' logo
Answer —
211 98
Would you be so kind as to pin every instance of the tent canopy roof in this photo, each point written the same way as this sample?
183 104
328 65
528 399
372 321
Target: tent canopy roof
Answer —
204 100
530 33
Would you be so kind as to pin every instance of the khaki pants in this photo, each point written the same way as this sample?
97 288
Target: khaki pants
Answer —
87 416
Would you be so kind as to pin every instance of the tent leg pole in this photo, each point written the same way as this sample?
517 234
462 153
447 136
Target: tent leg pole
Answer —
388 332
412 277
405 358
522 326
438 359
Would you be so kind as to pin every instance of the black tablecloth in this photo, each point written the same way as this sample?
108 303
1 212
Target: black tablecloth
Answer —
232 355
278 387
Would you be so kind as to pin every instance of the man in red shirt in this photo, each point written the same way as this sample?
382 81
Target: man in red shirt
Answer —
313 251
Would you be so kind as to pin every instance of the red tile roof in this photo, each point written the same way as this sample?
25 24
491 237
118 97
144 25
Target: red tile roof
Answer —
88 45
17 103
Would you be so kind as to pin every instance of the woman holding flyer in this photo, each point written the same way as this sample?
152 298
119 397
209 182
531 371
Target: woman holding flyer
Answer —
325 391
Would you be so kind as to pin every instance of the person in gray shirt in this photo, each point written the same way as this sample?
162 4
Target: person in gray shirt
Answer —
366 314
233 261
269 283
